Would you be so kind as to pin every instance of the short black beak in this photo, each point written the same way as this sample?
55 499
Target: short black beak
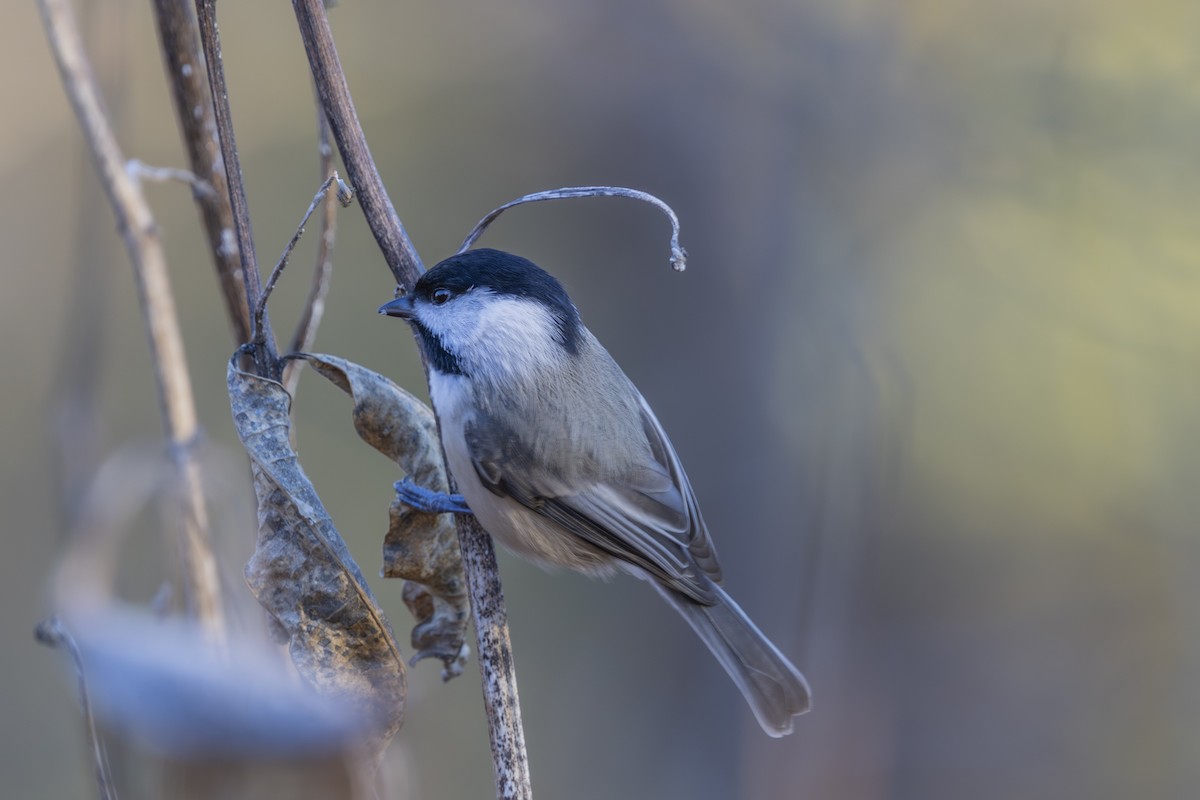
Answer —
400 307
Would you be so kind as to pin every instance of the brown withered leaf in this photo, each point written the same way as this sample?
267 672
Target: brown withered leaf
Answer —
419 547
302 573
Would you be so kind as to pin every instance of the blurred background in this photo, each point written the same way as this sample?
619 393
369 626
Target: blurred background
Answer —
932 369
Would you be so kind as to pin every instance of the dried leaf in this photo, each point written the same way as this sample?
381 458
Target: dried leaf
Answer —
302 573
419 547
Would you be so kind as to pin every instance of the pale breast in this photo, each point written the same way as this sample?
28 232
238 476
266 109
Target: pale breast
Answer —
518 528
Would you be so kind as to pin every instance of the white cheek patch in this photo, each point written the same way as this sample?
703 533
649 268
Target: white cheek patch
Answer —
453 323
513 334
493 335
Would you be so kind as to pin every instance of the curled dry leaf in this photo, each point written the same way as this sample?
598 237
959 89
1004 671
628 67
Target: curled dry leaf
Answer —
302 573
419 547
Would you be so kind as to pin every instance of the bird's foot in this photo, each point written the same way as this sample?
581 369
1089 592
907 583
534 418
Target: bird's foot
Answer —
428 500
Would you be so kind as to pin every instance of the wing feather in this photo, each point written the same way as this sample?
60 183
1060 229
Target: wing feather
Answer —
644 514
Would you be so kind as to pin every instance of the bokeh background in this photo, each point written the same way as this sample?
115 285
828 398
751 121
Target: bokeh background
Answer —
932 368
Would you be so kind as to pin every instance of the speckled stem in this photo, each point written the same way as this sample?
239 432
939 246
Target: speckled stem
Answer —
496 665
179 34
491 621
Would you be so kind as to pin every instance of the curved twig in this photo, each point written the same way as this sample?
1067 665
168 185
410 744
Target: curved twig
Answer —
305 334
260 308
678 254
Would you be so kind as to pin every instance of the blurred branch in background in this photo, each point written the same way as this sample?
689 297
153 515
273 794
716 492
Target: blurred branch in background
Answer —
77 422
339 640
139 231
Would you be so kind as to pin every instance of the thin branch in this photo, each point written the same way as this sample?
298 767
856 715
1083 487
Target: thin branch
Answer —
260 309
140 233
496 664
179 32
52 633
305 334
381 216
266 358
77 422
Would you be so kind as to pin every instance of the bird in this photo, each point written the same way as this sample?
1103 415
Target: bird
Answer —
562 460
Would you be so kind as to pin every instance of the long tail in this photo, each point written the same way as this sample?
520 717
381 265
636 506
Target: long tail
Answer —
774 688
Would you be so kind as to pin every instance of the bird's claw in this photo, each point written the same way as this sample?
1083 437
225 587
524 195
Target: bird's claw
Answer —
429 501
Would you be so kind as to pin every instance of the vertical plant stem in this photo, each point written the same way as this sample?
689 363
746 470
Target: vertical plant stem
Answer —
496 664
179 34
361 172
140 234
266 358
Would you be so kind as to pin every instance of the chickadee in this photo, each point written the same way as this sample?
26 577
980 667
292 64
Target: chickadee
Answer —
560 458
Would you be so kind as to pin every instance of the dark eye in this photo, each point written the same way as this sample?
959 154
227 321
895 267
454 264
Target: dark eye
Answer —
440 296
